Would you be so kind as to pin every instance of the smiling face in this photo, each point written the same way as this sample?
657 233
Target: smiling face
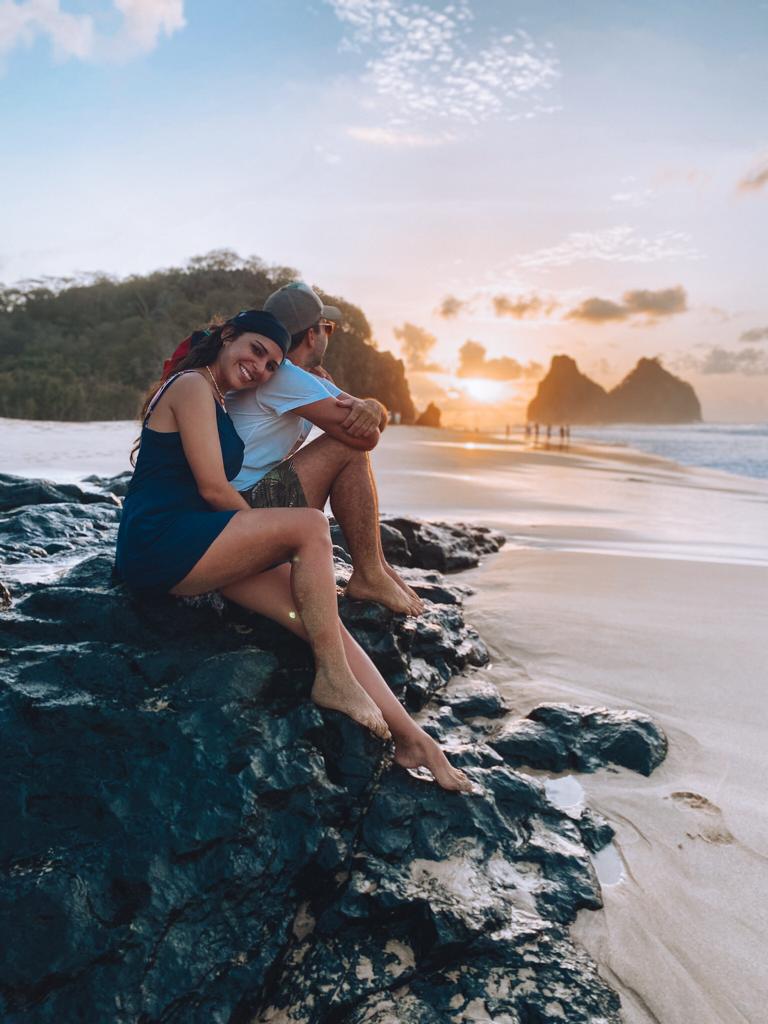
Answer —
246 361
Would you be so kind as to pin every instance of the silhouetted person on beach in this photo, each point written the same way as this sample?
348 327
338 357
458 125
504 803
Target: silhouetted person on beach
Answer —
536 432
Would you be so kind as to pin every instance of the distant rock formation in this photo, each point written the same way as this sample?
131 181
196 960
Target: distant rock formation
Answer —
430 417
565 395
649 394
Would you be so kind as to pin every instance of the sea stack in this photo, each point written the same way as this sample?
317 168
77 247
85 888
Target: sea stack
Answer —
566 395
649 394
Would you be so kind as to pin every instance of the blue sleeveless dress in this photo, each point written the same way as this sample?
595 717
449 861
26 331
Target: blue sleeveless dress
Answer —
166 526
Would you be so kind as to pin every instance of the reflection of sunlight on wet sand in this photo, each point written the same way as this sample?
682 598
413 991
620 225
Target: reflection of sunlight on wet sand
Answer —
580 498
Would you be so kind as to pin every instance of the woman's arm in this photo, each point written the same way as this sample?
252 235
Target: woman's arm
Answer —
193 407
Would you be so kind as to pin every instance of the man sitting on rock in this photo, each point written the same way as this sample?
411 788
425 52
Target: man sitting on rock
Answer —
275 419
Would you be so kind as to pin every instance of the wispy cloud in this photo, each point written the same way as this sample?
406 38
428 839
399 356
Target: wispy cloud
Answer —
429 64
474 363
620 244
523 306
634 197
746 360
451 306
416 344
76 35
756 177
755 334
652 305
71 35
393 137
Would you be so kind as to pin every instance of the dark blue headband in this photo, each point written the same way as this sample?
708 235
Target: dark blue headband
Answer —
260 322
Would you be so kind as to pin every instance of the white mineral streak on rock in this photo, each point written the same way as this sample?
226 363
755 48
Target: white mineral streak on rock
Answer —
556 1010
404 958
303 922
364 970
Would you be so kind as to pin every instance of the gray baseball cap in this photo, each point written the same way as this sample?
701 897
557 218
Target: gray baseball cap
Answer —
297 307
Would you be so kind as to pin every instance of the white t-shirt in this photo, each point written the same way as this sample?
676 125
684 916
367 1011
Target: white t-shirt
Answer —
264 419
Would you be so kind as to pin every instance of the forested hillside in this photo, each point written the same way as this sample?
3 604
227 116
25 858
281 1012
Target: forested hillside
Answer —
72 350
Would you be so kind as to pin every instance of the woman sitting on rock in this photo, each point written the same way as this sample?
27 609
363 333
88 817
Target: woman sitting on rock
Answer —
186 531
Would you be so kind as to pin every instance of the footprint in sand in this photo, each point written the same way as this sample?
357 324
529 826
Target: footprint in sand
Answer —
710 827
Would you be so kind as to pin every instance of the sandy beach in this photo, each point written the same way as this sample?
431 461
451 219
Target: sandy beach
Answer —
634 583
626 581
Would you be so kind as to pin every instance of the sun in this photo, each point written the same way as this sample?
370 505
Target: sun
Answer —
479 389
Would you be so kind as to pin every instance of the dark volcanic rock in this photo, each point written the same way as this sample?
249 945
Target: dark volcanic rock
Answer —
595 830
41 531
16 491
186 839
447 547
475 699
113 484
559 736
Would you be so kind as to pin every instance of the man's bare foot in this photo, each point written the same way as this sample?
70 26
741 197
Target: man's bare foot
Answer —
394 575
342 692
424 752
383 589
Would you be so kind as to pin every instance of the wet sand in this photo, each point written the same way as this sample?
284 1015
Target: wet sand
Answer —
634 583
626 581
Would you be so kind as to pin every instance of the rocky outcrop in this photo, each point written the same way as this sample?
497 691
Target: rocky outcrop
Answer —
649 394
560 736
430 417
566 395
185 837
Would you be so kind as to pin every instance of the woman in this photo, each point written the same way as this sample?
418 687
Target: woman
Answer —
185 530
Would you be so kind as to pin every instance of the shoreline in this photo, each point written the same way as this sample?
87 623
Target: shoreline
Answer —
115 439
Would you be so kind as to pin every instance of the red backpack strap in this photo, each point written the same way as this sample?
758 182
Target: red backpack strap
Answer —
182 349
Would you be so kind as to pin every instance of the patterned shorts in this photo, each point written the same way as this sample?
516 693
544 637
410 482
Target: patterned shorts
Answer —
280 488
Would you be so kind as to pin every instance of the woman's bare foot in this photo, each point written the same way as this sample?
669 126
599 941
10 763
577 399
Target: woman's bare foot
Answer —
384 590
424 752
342 692
394 575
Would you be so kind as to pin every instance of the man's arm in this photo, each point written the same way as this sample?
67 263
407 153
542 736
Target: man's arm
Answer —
330 416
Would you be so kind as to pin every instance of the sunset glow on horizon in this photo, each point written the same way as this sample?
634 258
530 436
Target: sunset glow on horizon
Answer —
492 184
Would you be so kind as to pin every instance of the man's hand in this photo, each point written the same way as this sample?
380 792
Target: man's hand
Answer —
366 415
320 371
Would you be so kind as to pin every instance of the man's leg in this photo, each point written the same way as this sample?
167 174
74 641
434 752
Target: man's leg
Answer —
327 469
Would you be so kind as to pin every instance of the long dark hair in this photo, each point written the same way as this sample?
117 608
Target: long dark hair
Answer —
205 346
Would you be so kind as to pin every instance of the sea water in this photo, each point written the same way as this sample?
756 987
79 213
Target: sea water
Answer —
740 448
69 451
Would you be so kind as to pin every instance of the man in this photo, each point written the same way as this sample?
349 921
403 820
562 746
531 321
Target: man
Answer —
275 419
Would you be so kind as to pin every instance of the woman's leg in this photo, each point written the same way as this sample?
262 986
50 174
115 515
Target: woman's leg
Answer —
270 594
256 539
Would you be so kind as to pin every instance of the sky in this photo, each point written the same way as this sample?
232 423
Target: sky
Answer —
492 182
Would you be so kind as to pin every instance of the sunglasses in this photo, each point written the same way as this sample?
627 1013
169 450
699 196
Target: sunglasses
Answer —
325 325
